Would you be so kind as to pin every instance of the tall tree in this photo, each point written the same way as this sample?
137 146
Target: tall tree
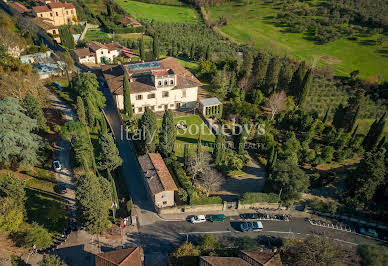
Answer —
285 76
149 128
34 110
192 51
297 79
219 148
81 114
272 75
93 204
67 39
241 138
11 186
167 134
38 237
208 55
305 87
155 47
246 67
186 156
51 260
108 157
277 103
259 69
369 174
11 215
141 48
19 146
374 134
127 97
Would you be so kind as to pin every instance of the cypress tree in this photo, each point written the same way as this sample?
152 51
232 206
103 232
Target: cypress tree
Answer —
208 56
148 125
155 47
168 134
219 149
270 157
127 97
246 67
354 132
371 132
192 51
199 145
141 48
374 134
272 75
186 156
81 110
34 111
297 79
381 143
91 114
260 68
326 115
285 76
108 155
305 88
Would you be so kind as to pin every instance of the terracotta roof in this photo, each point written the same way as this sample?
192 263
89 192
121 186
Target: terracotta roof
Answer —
128 20
265 257
83 52
162 72
156 173
179 70
224 261
40 9
19 7
95 45
113 46
44 23
163 173
120 257
68 5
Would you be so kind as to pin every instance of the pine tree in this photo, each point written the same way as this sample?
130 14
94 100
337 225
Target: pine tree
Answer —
34 110
149 128
272 75
306 86
81 110
297 79
127 97
155 47
168 134
141 48
219 149
247 64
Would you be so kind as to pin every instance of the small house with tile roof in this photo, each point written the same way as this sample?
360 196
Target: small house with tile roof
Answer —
158 85
120 257
159 182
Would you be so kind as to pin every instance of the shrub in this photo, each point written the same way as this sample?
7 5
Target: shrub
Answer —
253 197
324 206
205 200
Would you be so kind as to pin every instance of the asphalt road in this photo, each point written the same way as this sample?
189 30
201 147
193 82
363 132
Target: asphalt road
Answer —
130 167
160 238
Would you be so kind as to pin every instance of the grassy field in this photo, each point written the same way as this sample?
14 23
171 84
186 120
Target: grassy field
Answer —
160 12
254 24
190 136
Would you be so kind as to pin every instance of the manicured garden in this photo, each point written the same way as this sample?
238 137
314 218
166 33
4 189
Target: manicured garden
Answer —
255 24
160 12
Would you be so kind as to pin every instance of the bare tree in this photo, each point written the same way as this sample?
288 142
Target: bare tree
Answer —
212 180
277 102
198 163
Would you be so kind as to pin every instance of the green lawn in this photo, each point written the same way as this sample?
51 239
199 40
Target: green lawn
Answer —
43 205
95 34
254 24
160 12
191 134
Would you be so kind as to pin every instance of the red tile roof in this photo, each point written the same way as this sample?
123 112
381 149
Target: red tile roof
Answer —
120 257
19 7
68 5
265 257
162 171
40 9
223 261
83 52
95 45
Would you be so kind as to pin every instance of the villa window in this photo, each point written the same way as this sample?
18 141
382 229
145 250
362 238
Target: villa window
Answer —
165 83
139 97
51 14
165 94
56 13
153 108
71 12
160 83
67 12
151 96
140 109
172 82
183 93
41 15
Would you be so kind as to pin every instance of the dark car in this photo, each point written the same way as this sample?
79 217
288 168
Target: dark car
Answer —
248 216
60 188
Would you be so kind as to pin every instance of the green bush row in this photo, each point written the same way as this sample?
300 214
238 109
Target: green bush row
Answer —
206 200
322 206
127 30
255 197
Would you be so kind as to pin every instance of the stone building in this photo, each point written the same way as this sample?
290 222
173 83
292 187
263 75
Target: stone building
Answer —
158 85
56 13
159 182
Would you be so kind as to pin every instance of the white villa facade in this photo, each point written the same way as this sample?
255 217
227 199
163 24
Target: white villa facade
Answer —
158 85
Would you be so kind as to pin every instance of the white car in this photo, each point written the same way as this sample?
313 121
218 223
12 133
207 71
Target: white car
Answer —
57 166
198 219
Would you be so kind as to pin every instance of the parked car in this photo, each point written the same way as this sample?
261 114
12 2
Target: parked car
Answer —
217 218
249 216
198 219
57 166
60 188
251 226
369 232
